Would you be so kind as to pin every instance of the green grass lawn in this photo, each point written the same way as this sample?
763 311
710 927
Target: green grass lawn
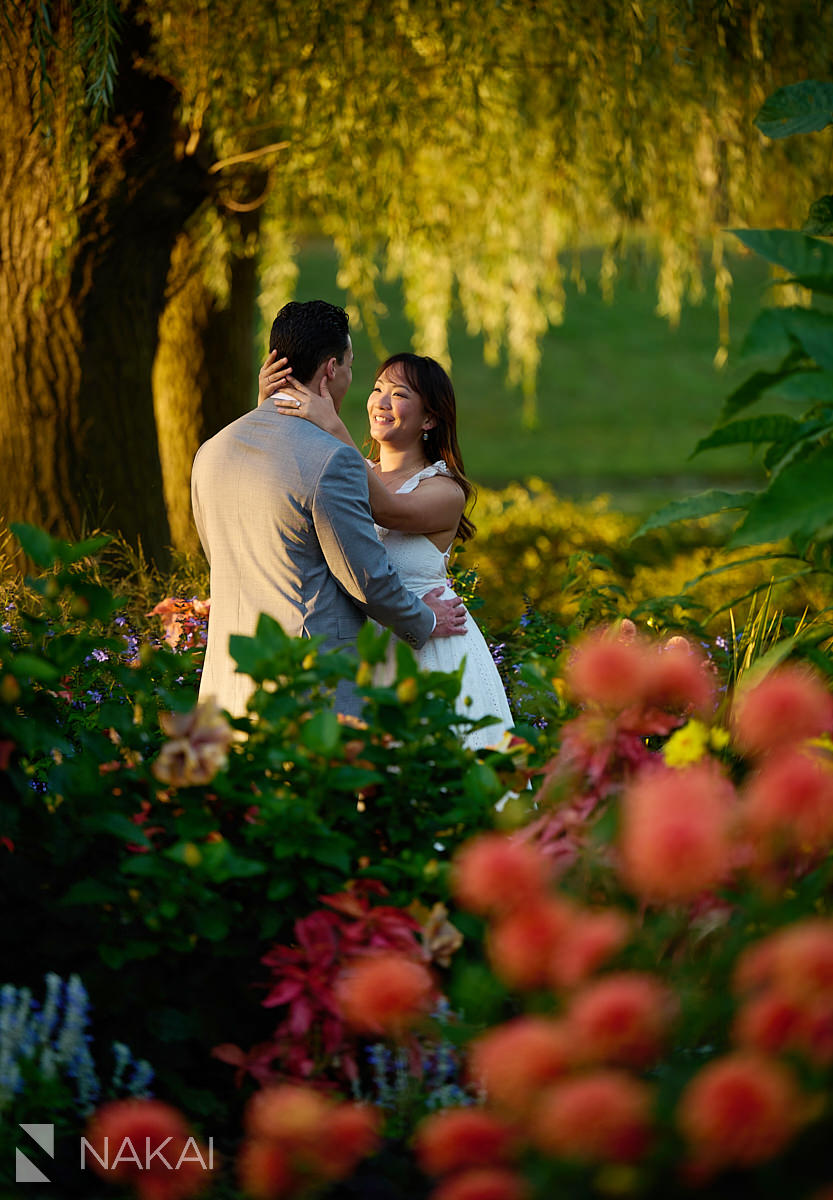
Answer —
622 397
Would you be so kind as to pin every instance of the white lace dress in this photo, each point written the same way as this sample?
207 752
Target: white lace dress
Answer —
421 567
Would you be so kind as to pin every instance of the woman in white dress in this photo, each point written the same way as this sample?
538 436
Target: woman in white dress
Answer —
418 494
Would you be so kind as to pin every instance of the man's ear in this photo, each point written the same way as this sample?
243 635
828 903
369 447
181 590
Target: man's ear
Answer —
330 371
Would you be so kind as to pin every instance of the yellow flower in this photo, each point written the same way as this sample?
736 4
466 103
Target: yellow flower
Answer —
191 855
686 745
718 738
407 691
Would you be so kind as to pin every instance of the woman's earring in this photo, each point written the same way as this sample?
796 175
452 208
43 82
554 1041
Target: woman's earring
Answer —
425 435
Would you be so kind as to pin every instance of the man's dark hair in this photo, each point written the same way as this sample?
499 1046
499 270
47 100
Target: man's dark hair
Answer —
308 334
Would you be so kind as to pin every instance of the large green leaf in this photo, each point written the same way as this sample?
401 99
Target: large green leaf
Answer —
89 891
117 824
773 428
814 331
754 387
780 453
767 334
804 107
808 259
321 733
735 564
37 543
29 666
250 653
806 386
704 504
777 330
72 552
797 504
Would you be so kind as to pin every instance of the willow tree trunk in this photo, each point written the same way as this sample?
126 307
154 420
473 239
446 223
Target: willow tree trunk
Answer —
203 375
86 233
40 369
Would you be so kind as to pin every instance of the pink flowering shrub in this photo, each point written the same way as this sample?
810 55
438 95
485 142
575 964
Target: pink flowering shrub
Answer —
356 967
664 927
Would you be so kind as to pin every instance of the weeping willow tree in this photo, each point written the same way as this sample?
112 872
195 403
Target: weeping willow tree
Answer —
467 149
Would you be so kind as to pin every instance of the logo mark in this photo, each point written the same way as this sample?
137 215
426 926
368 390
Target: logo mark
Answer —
25 1170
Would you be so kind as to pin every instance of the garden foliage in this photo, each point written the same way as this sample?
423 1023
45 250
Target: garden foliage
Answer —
158 850
796 504
294 903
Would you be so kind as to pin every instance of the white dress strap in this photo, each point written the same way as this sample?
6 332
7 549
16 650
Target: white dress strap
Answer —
437 468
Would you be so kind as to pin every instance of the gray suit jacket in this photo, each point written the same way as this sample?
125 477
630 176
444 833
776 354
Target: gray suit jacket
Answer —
283 515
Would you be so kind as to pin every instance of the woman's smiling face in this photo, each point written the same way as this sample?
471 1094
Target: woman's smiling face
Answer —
396 411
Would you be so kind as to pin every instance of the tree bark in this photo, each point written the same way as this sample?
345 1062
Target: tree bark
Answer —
203 376
40 371
79 443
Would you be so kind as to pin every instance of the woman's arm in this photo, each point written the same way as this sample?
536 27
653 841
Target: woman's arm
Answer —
434 507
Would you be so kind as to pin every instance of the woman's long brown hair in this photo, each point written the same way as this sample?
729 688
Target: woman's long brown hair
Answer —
426 377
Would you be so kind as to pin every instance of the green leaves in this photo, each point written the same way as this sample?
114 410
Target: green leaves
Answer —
705 504
321 733
804 107
753 429
47 551
797 504
809 260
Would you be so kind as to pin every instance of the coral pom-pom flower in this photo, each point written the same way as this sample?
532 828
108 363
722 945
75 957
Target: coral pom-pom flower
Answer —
590 940
292 1114
495 873
385 994
679 678
621 1019
600 1117
352 1133
264 1170
523 945
607 671
149 1149
484 1183
739 1110
514 1061
675 831
786 706
789 801
462 1137
802 960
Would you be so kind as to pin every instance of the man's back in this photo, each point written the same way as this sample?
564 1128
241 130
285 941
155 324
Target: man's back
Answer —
283 515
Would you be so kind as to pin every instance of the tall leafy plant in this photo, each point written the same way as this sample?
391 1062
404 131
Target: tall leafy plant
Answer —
796 501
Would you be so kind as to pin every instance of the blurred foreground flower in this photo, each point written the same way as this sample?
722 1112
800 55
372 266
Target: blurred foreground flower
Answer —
385 993
789 704
462 1137
675 831
198 748
622 1019
604 1116
147 1145
482 1183
512 1063
494 873
298 1141
788 802
740 1110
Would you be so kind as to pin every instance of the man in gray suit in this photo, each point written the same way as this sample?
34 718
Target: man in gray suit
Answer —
283 515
